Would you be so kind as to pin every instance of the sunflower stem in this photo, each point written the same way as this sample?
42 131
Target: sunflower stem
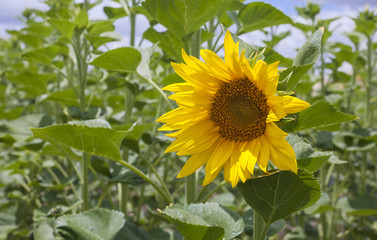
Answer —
260 227
191 180
191 188
123 190
368 84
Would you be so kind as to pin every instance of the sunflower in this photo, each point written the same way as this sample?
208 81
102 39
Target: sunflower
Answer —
226 115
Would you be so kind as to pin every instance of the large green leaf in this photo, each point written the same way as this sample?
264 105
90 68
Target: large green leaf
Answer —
259 15
205 221
92 136
97 224
280 194
124 59
182 17
320 115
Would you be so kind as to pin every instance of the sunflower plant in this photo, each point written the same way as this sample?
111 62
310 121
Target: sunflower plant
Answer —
185 128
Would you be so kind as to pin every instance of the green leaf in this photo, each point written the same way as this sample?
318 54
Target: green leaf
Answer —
321 114
259 15
124 59
97 224
132 231
44 230
65 27
364 205
81 19
102 26
205 221
34 84
304 60
98 41
309 52
280 194
182 17
306 157
92 136
114 13
19 129
314 162
171 44
42 55
68 97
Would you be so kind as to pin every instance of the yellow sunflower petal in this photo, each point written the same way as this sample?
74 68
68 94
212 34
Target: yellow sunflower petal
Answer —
231 54
198 135
179 87
195 162
195 77
264 153
210 177
276 104
220 156
293 104
260 70
192 98
271 117
217 65
281 160
272 69
250 153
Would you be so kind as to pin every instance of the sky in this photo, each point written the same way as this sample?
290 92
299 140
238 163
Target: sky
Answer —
11 10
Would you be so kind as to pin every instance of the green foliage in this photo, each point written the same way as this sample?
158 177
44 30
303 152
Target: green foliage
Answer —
304 60
205 221
124 59
183 17
284 193
258 15
92 136
96 224
321 115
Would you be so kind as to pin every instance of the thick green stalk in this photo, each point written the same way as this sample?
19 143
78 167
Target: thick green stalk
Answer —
133 25
123 188
260 227
191 188
79 49
368 82
85 182
163 194
191 180
323 90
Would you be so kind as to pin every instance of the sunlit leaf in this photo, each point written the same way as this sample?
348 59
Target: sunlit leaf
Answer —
171 44
182 17
259 15
84 136
63 26
124 59
321 114
205 221
96 224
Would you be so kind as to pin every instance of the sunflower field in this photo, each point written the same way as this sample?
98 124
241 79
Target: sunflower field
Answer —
197 129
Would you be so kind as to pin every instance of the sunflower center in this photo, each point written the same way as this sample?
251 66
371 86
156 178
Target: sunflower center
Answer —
240 110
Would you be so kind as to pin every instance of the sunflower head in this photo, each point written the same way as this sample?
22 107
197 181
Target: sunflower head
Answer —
226 114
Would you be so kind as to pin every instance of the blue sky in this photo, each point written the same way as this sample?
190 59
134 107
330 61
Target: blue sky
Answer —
10 10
